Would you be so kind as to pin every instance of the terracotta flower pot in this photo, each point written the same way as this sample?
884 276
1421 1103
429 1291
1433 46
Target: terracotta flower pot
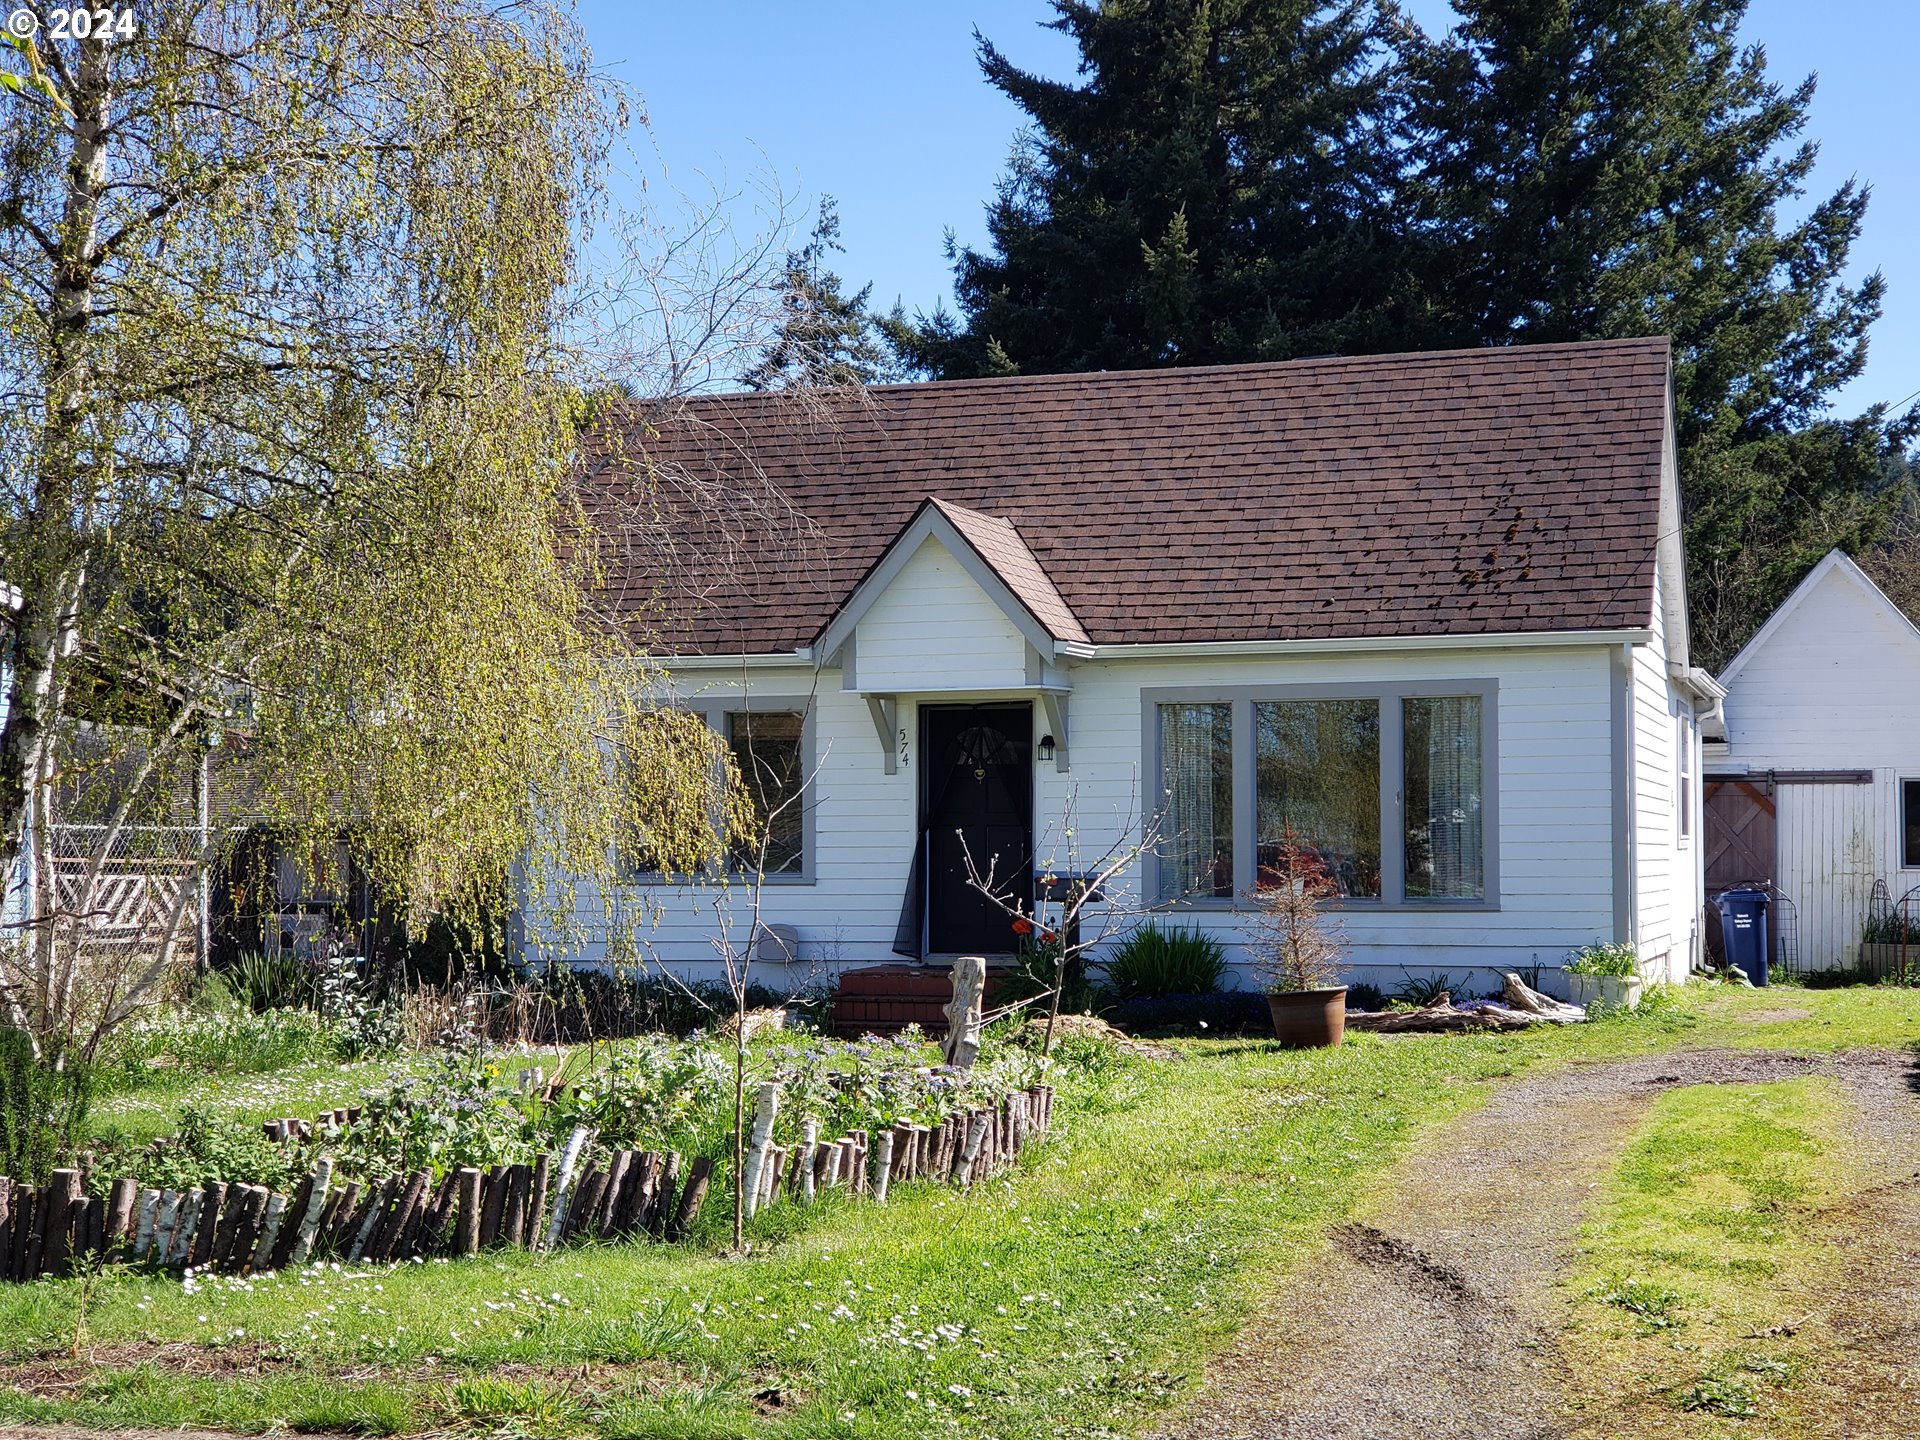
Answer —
1309 1019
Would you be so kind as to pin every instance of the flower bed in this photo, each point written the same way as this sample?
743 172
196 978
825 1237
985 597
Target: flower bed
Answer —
480 1152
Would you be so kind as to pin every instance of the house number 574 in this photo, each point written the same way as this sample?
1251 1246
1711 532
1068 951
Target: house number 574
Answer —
903 747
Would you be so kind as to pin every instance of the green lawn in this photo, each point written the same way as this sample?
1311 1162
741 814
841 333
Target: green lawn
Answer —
1078 1296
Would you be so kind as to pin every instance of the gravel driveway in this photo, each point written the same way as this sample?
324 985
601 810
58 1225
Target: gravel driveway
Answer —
1435 1315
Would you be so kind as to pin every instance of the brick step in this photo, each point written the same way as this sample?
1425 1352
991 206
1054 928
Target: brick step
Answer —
885 999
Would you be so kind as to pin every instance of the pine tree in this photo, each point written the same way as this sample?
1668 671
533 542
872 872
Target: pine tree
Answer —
826 338
1217 188
1598 168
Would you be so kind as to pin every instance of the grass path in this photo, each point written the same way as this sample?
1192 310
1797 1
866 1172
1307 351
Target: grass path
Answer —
1750 1262
1081 1296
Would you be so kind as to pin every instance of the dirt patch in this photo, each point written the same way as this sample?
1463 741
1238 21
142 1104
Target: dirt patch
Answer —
1092 1027
52 1376
1437 1314
1420 1270
59 1376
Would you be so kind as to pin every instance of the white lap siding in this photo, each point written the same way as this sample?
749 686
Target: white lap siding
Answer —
934 629
1551 841
1666 898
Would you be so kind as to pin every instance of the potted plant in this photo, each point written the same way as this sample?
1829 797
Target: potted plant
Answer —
1605 977
1296 950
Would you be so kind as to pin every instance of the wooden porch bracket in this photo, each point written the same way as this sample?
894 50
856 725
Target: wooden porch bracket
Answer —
1055 708
885 714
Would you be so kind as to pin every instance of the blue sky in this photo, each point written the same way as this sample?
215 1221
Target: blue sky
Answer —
879 103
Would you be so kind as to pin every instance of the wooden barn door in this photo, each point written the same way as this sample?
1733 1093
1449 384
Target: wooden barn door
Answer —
1742 835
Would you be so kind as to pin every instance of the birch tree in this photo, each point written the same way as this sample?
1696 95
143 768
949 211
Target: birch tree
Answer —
287 429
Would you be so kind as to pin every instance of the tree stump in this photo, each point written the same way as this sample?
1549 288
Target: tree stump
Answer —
466 1227
962 1046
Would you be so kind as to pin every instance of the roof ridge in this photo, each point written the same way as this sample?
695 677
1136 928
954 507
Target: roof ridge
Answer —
1143 374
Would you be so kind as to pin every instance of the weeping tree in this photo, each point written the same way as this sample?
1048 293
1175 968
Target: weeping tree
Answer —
287 430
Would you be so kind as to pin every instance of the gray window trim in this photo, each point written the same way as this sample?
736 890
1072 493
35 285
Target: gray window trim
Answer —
1394 899
714 709
1901 780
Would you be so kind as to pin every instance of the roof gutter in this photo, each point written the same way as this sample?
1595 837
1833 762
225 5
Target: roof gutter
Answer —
1515 640
1210 649
774 660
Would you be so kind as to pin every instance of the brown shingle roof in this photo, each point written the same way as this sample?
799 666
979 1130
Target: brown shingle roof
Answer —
1462 492
1000 545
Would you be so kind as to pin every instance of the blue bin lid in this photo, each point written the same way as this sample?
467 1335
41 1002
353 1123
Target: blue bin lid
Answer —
1751 897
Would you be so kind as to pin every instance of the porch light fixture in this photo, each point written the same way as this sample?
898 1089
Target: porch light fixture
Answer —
1046 747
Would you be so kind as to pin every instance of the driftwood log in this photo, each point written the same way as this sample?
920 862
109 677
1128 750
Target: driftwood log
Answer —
1439 1018
1520 1006
1521 996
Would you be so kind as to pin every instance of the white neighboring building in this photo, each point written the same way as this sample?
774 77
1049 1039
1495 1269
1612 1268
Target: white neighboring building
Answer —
1815 785
1428 611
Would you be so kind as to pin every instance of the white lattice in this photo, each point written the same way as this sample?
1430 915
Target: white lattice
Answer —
147 882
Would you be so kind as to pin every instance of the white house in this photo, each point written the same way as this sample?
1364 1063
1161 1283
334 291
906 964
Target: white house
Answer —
1813 787
1428 611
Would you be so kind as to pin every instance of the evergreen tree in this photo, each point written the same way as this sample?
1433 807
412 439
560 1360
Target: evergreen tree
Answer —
1597 168
826 338
1217 188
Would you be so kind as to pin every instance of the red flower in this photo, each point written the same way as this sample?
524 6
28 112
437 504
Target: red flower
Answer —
1022 926
1048 937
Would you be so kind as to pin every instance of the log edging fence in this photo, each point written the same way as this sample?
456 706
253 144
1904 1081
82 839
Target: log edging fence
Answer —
238 1229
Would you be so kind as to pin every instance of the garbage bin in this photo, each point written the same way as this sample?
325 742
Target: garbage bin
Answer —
1743 930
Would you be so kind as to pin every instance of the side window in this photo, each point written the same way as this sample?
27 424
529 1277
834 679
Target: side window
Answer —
1910 824
768 747
1684 809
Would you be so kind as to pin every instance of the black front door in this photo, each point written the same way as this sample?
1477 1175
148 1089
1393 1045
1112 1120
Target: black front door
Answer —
976 799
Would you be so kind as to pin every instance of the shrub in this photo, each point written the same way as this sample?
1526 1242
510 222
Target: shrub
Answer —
1225 1012
1832 978
452 1116
1890 929
574 1006
1155 962
43 1105
1423 990
1366 996
209 1146
365 1024
1619 959
268 982
1294 946
1036 963
652 1094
